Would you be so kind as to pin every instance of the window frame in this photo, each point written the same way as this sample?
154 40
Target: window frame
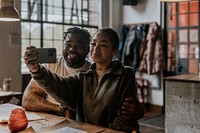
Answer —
83 9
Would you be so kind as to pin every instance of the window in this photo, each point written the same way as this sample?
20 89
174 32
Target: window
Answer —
44 21
183 29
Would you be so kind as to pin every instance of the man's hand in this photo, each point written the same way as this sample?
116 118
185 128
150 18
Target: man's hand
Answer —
31 55
70 114
131 107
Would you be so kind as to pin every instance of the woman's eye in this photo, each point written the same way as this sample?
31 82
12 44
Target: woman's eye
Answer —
103 45
92 43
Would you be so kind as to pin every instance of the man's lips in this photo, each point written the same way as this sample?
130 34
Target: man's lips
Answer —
72 56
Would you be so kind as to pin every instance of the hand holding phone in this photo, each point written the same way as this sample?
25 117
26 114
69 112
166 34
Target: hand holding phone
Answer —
45 55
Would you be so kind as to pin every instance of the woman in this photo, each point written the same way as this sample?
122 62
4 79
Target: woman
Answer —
96 95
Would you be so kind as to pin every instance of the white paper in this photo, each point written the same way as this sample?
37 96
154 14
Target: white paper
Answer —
9 107
5 115
67 130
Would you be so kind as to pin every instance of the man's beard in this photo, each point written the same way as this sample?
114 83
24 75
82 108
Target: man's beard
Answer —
74 63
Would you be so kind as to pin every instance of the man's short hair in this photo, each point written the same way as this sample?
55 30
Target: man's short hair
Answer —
82 32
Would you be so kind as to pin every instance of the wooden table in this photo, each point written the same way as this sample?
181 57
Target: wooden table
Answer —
44 122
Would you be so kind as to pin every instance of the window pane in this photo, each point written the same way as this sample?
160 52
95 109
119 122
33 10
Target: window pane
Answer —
67 27
183 7
171 21
25 43
48 43
194 35
48 31
183 36
93 12
91 30
170 51
183 51
170 45
57 15
193 66
24 9
171 18
194 19
171 36
57 3
183 20
25 30
193 51
34 13
52 12
67 11
171 8
58 32
171 64
194 6
35 30
93 18
35 43
59 47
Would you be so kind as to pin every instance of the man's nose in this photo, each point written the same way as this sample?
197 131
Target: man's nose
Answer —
72 48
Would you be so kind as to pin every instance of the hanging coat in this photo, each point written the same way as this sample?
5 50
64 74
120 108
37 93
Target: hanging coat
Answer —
153 58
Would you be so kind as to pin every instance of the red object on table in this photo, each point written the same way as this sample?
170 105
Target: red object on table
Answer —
18 120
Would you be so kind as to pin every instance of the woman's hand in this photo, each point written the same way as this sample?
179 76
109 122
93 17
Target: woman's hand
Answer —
131 108
31 55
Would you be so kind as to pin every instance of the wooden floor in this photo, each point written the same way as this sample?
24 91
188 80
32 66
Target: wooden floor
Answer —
147 129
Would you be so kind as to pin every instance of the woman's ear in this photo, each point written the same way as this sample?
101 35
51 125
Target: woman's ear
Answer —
114 52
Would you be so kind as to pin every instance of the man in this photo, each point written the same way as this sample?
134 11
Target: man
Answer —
76 48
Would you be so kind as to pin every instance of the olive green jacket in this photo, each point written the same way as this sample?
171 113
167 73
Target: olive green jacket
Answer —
95 103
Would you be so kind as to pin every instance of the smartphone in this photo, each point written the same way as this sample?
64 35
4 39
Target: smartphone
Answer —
45 55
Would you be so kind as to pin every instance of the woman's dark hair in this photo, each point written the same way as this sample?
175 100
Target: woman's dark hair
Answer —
84 33
112 35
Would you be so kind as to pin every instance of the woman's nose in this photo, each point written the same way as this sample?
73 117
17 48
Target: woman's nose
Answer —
97 47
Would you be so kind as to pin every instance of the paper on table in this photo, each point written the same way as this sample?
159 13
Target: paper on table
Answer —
28 130
67 130
32 116
5 115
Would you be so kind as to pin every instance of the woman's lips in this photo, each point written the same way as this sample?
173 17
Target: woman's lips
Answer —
96 53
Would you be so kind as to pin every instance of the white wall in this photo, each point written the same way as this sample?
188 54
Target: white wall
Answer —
10 55
144 12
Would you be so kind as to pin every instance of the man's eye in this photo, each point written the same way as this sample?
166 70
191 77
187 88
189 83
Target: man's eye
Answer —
79 46
68 44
